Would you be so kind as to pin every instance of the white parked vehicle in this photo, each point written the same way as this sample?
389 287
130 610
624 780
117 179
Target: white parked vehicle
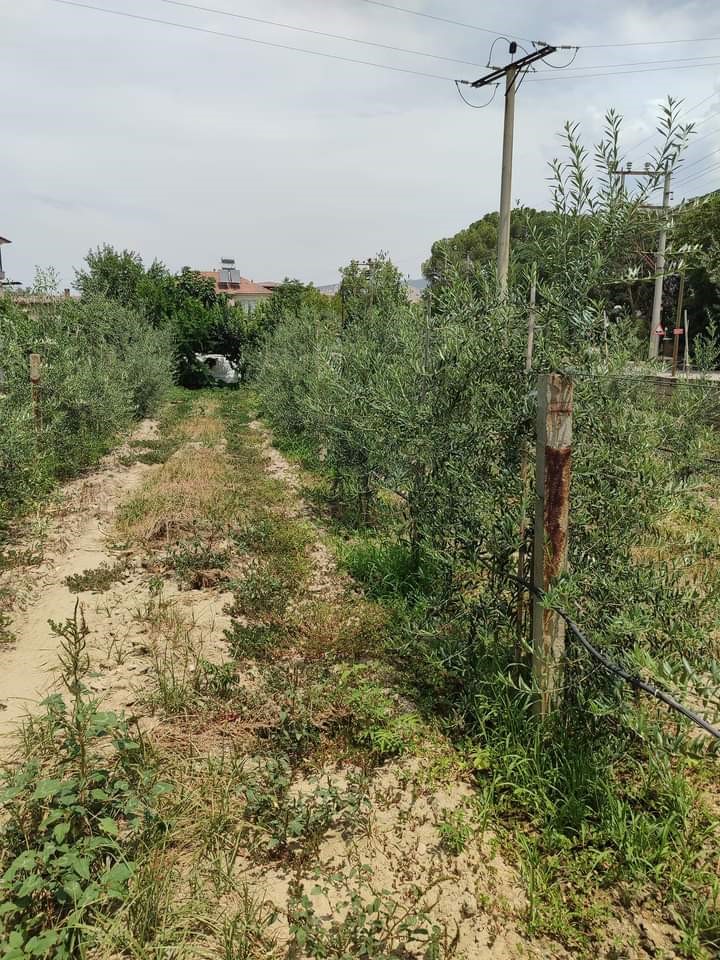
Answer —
219 367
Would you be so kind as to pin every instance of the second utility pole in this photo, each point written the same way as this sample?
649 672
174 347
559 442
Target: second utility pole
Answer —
660 270
511 72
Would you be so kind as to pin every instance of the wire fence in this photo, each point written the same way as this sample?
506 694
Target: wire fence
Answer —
633 550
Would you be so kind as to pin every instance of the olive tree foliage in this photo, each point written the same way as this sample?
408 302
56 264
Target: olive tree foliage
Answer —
102 368
431 406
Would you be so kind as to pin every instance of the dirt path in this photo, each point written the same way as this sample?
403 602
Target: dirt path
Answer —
75 538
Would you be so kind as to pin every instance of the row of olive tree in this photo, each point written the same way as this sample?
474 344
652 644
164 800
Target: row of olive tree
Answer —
102 368
431 406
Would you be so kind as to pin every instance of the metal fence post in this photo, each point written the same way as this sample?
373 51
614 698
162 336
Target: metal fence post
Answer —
552 501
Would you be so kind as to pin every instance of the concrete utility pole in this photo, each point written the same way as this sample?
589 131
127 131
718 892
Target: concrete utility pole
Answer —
511 72
654 347
503 249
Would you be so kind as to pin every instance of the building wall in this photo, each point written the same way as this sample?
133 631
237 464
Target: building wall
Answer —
248 300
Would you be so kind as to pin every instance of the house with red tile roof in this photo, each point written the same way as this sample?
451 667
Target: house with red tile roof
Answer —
237 289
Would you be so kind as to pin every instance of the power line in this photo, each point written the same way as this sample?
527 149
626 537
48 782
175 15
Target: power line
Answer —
497 33
705 156
318 33
475 106
699 174
647 43
623 73
432 16
700 103
262 43
710 132
628 63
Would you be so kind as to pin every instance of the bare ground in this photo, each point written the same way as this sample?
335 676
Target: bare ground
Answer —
68 537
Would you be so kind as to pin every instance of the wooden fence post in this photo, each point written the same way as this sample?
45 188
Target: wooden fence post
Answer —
552 485
35 390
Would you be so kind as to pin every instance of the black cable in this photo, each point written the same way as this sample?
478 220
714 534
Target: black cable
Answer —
472 26
616 670
476 106
639 378
567 66
492 47
317 33
702 159
262 43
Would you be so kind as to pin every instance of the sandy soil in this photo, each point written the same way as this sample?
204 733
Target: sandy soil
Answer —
75 539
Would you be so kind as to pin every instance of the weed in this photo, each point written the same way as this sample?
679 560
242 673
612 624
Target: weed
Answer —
217 681
157 451
374 925
73 814
376 721
246 934
260 592
386 568
455 831
6 634
252 641
151 893
304 707
97 580
198 564
287 824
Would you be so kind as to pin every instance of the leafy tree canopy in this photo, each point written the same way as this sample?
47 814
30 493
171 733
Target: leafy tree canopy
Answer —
476 245
112 274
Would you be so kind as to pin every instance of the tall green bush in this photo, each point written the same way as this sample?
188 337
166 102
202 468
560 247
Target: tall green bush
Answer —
103 366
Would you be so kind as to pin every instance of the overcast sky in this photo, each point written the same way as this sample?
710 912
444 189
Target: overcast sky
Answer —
190 147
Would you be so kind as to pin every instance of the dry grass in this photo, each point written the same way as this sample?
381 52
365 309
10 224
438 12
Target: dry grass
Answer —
204 424
193 486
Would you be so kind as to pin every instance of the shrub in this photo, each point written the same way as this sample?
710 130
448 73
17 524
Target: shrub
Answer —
102 367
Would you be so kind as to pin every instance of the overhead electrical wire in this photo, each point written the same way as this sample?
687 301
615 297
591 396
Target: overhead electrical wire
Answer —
627 63
472 26
702 159
698 174
647 43
438 19
338 57
254 40
469 103
710 132
318 33
623 73
700 103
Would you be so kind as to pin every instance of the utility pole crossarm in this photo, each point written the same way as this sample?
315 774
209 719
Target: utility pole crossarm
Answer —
520 64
